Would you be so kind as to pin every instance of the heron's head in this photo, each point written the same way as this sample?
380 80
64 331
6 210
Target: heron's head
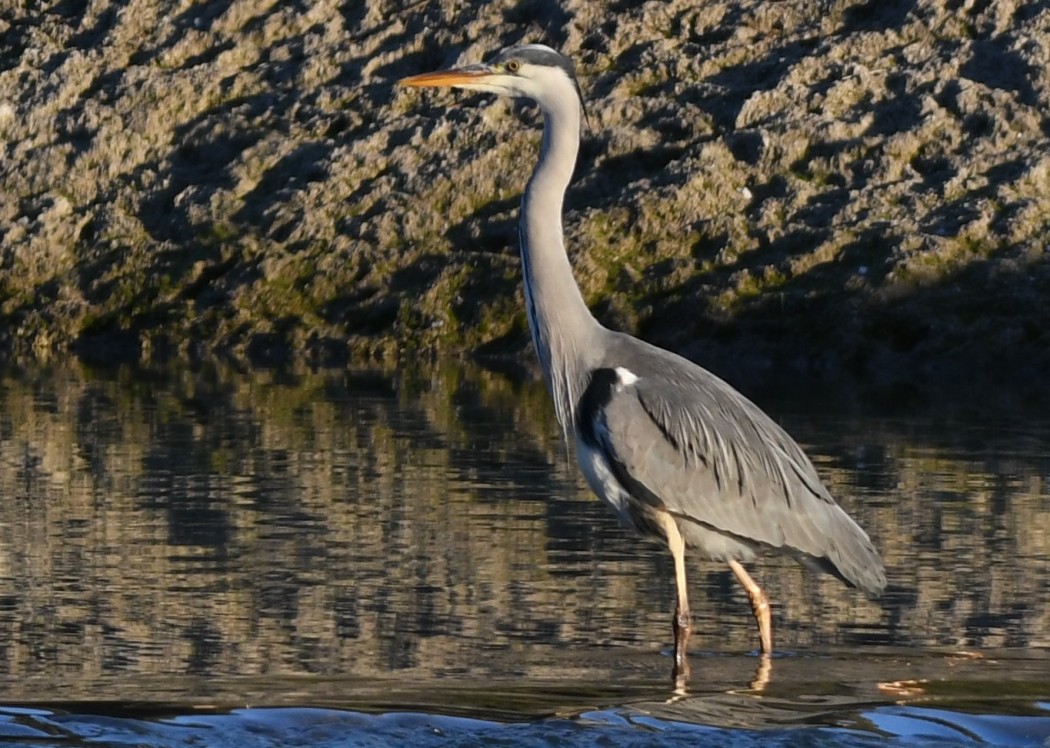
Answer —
532 71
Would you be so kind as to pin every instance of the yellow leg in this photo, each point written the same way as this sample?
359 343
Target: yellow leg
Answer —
763 674
682 622
759 604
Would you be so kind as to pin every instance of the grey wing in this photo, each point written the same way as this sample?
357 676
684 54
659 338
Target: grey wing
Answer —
699 449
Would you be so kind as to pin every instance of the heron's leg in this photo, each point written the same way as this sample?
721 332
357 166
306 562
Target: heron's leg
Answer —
763 674
682 621
759 604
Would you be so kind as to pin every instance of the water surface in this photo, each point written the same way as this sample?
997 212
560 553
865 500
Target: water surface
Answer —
361 558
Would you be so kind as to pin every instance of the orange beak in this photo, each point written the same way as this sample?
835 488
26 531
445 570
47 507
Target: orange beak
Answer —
443 78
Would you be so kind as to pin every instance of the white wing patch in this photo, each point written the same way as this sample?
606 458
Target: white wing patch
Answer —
626 376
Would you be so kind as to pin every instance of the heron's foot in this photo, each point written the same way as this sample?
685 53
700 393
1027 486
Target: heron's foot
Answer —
682 625
761 608
680 672
763 674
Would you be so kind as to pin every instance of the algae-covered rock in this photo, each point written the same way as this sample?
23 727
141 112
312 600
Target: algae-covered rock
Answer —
819 183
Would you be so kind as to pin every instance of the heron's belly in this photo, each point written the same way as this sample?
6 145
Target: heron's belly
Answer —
705 541
713 545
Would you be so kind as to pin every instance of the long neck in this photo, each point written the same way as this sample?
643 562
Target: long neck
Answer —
563 329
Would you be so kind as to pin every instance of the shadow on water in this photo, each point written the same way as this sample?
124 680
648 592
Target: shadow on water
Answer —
342 558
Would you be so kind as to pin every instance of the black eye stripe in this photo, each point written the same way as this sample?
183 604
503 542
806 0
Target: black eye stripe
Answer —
513 58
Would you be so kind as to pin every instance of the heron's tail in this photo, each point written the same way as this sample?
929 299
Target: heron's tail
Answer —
851 556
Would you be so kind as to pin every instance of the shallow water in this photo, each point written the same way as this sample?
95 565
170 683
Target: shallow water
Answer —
349 558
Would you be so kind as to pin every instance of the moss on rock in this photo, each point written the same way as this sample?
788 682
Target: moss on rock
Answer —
247 180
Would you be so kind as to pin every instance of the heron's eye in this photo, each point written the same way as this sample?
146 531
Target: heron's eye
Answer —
513 66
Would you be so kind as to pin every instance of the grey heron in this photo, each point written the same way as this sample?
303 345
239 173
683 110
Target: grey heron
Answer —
674 450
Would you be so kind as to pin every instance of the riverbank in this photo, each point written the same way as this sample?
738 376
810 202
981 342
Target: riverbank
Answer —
833 186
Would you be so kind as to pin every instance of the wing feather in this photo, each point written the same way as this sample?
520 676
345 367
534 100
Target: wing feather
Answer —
682 438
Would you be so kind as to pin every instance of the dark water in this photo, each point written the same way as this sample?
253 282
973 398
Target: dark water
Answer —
341 558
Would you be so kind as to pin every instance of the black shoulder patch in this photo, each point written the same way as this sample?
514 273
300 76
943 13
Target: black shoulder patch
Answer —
596 396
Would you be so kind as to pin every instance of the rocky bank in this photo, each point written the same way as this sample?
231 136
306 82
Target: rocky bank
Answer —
827 185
